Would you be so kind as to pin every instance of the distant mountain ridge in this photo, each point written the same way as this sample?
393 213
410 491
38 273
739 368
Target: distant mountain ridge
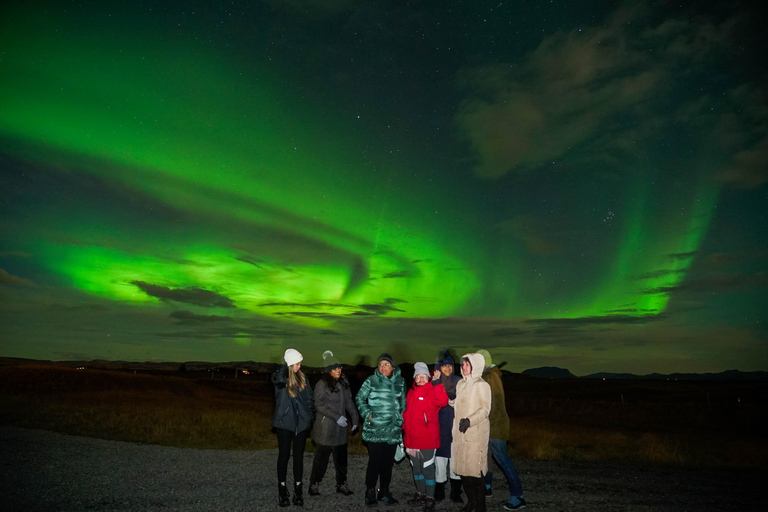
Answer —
546 372
726 375
550 372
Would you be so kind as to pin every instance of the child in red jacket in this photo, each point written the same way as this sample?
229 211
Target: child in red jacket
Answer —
422 432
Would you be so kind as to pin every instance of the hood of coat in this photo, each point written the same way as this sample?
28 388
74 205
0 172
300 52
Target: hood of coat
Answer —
478 365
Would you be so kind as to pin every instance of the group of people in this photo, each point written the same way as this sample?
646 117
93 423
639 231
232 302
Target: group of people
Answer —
446 424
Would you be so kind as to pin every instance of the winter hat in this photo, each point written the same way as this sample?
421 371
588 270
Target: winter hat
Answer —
443 358
386 357
487 356
420 368
330 361
292 356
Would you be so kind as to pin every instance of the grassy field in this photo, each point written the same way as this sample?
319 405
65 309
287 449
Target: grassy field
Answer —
689 424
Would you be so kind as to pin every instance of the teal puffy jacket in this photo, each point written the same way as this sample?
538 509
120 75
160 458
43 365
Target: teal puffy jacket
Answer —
381 402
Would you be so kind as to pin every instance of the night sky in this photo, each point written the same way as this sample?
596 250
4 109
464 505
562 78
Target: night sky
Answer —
574 184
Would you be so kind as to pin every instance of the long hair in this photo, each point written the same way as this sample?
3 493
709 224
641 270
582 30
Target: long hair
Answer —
296 382
333 383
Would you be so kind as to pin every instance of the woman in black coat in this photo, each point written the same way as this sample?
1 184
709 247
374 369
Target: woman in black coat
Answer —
294 411
333 400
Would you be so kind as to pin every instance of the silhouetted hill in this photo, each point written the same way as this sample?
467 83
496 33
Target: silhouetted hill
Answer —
726 375
550 372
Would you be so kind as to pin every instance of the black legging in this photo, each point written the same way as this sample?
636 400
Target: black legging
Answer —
381 458
320 463
284 440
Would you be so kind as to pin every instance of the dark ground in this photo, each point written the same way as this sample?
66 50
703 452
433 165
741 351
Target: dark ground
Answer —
45 471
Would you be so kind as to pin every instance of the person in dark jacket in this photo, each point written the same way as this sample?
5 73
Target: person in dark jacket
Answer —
421 429
499 436
443 469
294 412
381 402
333 401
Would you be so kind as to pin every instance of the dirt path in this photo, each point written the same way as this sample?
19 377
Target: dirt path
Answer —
44 471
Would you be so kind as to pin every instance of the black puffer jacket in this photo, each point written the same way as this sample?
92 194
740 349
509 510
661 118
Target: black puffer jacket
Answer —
292 413
330 406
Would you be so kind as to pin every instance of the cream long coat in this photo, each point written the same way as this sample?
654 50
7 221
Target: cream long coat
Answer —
469 451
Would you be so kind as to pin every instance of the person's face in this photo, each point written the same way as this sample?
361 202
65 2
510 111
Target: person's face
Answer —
336 372
296 367
385 368
466 367
421 379
447 369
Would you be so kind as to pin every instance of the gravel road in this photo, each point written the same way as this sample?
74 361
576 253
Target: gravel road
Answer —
45 471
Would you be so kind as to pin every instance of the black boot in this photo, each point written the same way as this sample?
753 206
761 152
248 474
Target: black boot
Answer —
370 497
439 491
285 496
344 489
298 495
386 497
456 490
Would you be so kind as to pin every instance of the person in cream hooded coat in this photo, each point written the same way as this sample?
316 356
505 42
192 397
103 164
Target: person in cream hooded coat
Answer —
471 430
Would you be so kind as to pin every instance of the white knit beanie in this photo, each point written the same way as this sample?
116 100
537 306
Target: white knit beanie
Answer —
292 356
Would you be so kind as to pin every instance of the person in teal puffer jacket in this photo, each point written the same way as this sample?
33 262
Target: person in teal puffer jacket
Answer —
381 402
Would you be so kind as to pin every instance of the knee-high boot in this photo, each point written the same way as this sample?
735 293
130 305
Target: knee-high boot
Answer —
456 490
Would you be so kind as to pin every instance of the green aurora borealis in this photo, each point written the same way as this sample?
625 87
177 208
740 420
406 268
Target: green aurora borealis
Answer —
585 189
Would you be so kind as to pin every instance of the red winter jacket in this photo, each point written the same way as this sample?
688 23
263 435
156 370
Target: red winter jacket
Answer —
420 422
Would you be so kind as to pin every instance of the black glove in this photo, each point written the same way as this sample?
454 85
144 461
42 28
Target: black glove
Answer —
463 425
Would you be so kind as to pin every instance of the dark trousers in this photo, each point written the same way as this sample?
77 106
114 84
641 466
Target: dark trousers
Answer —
475 489
284 440
320 463
381 458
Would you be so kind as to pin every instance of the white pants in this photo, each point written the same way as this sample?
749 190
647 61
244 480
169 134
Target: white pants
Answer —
442 468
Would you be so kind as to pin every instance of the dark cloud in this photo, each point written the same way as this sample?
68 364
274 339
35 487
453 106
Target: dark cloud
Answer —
193 295
683 255
507 331
661 273
251 260
9 279
399 273
302 304
82 307
749 168
714 284
307 314
233 332
189 317
568 323
380 309
632 310
572 92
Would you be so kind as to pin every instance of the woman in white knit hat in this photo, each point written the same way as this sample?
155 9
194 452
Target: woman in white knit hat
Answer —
294 412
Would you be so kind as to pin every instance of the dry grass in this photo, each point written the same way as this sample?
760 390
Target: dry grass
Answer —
544 440
138 408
